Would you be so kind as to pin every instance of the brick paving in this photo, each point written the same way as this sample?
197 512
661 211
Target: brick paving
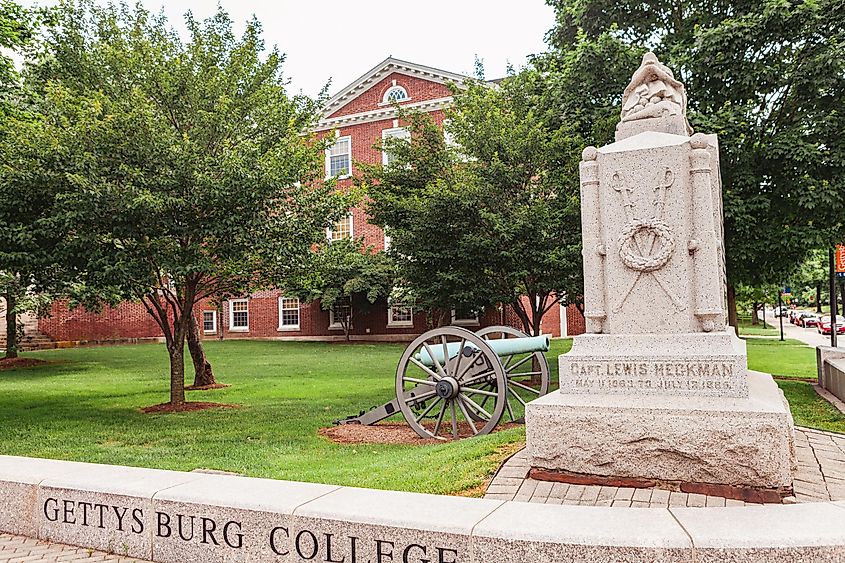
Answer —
821 477
18 549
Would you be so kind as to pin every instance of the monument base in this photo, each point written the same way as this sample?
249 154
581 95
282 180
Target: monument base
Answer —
738 442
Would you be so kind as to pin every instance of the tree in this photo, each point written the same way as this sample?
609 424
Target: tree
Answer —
768 77
30 265
347 277
191 178
493 219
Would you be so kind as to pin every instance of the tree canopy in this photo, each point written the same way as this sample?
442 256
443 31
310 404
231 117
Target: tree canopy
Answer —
767 76
184 163
492 215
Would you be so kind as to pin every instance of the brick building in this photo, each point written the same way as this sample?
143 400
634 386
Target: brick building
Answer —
359 116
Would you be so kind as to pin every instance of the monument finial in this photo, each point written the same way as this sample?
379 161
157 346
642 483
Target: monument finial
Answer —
655 100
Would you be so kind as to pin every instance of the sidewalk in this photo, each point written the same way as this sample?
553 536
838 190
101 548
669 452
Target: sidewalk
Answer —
809 336
14 549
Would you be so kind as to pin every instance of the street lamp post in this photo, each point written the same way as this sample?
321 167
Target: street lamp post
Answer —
780 312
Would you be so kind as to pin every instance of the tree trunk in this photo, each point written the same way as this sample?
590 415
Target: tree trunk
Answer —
733 320
176 350
818 298
11 326
754 318
203 374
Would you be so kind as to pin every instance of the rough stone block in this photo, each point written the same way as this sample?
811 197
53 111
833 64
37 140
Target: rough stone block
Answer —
797 532
19 479
730 441
226 518
104 507
380 526
553 533
691 364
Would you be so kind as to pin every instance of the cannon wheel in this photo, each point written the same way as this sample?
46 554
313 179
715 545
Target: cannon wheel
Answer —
522 384
450 390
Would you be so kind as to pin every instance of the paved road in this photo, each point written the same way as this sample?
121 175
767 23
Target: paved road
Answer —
810 336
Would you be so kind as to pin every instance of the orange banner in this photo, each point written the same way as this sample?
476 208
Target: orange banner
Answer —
840 258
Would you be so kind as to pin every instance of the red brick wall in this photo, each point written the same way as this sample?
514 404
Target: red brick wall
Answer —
575 321
418 90
127 320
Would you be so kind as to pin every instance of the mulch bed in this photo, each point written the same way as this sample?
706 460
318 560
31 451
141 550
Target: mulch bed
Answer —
17 363
391 433
207 387
189 406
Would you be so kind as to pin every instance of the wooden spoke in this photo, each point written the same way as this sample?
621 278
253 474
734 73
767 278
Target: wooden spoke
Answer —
420 397
445 354
434 360
454 420
525 374
439 419
520 362
458 360
425 368
527 388
477 379
419 381
466 415
426 411
510 410
479 392
486 415
518 398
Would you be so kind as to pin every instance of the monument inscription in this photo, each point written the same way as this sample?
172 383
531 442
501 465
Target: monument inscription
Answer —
279 538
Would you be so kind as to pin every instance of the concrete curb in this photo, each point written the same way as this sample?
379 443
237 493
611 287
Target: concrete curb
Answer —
171 516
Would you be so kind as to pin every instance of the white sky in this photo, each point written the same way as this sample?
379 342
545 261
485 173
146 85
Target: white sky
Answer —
326 39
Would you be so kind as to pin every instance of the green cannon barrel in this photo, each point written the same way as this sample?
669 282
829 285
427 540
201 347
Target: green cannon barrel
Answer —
502 347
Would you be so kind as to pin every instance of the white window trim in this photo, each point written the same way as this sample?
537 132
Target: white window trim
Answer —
351 228
213 320
399 324
333 324
465 322
385 133
289 328
232 327
329 159
385 102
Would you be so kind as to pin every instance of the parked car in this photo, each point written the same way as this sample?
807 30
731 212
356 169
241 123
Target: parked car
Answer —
781 311
811 321
802 317
824 325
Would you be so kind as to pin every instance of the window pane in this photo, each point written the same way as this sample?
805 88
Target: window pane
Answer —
342 229
208 321
240 314
289 311
340 158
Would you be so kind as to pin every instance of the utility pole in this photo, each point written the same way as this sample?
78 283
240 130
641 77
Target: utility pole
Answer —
833 307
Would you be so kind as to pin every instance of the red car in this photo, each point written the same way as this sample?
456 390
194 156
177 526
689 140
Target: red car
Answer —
824 325
811 321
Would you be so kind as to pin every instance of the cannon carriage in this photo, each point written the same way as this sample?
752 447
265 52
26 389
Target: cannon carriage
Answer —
451 382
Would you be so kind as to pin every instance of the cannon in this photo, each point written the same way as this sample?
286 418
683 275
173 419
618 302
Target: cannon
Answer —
451 382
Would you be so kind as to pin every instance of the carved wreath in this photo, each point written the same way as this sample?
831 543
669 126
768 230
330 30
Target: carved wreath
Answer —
629 248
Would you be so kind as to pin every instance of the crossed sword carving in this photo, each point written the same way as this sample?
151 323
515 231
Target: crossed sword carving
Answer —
665 179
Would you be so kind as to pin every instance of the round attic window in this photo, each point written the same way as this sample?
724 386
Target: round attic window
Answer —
395 94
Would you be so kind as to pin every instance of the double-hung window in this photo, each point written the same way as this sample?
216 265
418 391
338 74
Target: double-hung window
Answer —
395 133
209 322
239 315
339 158
400 315
342 229
463 316
339 315
288 313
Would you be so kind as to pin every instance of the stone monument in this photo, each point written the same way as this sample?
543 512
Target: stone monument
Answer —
658 393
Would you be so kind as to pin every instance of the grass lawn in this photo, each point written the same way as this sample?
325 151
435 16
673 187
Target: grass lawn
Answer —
790 358
760 329
85 407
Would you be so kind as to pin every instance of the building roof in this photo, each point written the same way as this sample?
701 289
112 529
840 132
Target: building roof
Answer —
373 76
